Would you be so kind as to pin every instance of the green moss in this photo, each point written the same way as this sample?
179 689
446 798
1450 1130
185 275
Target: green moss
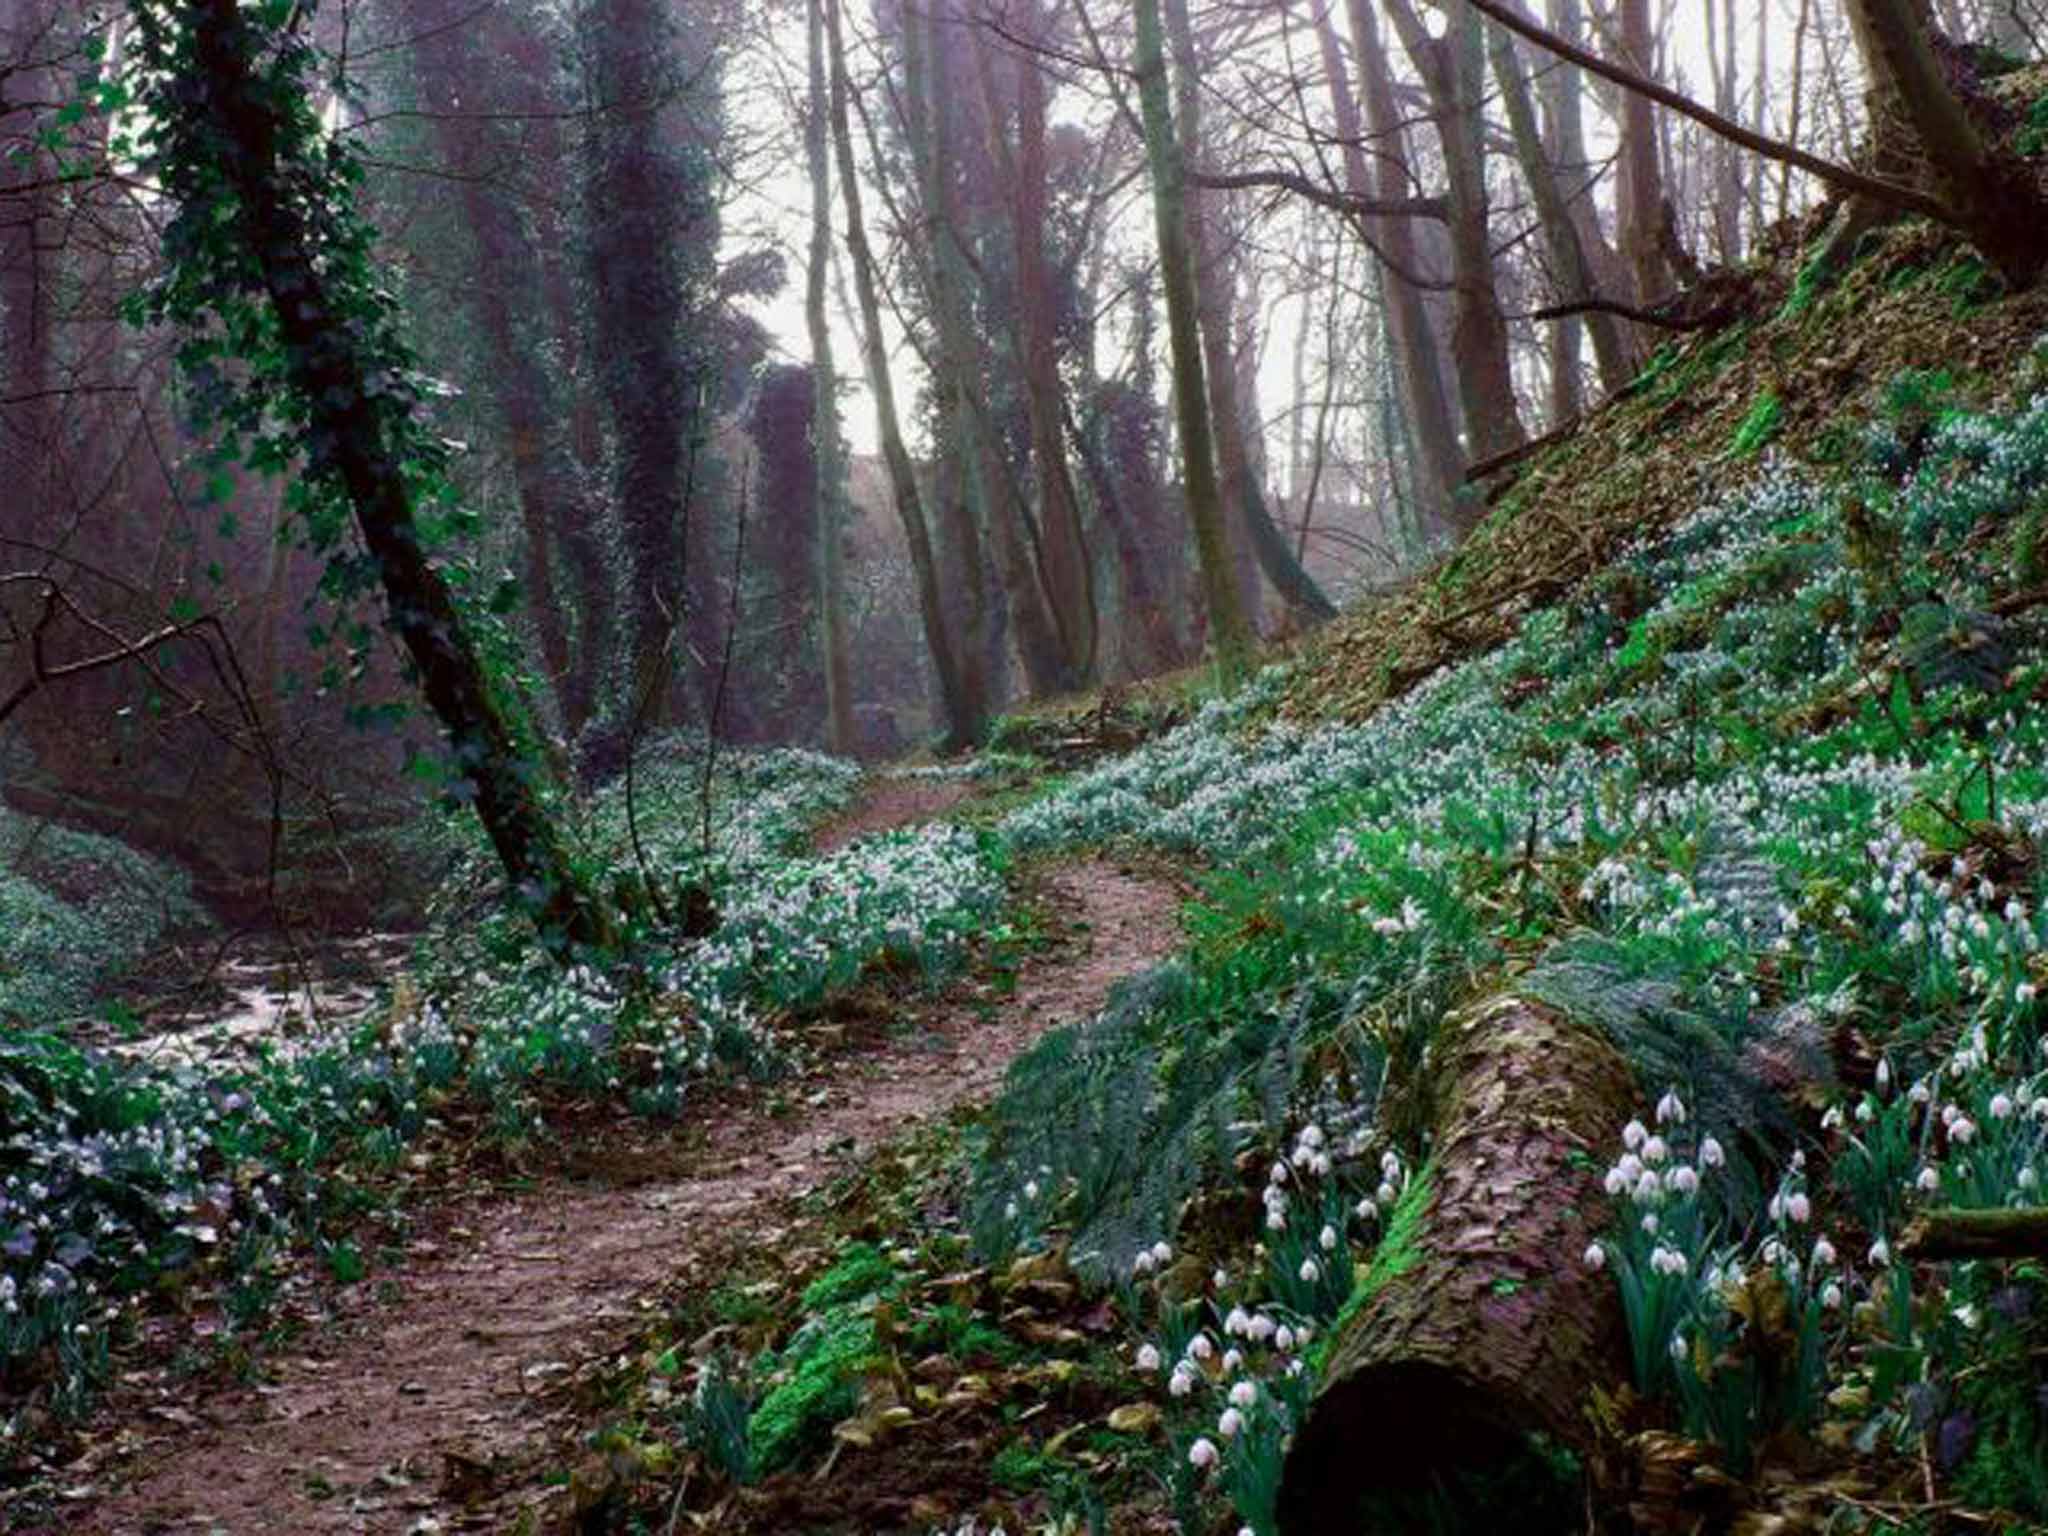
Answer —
1399 1250
1019 1467
860 1271
819 1385
1758 427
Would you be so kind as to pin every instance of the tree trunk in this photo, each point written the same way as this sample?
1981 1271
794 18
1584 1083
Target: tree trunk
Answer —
1570 271
1639 195
1489 1325
1067 569
642 206
1215 281
830 510
1453 71
327 372
1438 461
448 64
929 108
966 714
1997 201
1229 636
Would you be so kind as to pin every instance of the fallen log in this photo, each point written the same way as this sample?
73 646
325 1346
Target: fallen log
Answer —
1490 1325
2010 1234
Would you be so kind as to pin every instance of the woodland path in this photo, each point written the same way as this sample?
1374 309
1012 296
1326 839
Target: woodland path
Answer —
441 1375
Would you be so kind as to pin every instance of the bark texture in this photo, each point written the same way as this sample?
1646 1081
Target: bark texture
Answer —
1490 1326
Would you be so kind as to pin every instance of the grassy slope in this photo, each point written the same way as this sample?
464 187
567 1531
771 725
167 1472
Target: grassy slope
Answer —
1713 669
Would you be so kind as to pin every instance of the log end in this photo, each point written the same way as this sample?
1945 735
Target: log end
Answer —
1395 1428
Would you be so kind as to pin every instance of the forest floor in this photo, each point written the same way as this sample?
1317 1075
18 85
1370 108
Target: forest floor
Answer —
433 1399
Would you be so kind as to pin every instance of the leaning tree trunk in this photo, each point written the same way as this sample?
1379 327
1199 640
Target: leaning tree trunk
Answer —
1494 1326
233 141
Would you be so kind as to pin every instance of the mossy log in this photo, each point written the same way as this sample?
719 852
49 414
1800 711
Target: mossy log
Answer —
1492 1326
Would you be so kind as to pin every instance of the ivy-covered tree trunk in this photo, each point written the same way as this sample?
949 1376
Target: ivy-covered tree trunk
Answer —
239 152
542 475
1486 1323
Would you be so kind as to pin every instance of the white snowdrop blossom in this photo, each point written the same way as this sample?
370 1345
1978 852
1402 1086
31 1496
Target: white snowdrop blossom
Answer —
1202 1454
1148 1358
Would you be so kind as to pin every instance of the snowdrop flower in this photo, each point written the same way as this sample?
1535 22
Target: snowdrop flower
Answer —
1283 1338
1919 1093
1263 1327
1244 1394
1671 1109
1865 1112
1276 1221
1238 1323
1311 1136
1684 1180
1648 1188
2028 1179
1279 1173
1386 1194
1655 1150
1678 1348
1884 1074
1929 1180
1319 1164
1615 1182
1031 1189
1182 1381
1233 1361
2001 1106
1390 1165
1832 1120
1310 1272
1823 1252
1964 1129
1366 1210
1595 1256
1010 1210
1831 1296
1144 1263
1799 1208
1202 1453
1880 1253
1650 1223
1199 1347
1328 1239
2024 993
1229 1423
1148 1358
1711 1155
1633 1135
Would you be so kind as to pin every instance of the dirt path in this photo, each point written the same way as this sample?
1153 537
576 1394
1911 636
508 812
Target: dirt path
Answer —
378 1426
890 802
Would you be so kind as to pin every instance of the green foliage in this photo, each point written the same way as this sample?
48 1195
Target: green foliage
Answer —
2033 135
1758 427
812 1384
859 1271
717 1421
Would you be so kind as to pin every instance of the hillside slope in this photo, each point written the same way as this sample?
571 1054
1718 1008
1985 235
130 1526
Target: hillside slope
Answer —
1719 748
